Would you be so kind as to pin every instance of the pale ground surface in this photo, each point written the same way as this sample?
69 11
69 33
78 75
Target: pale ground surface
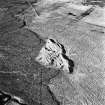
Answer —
85 45
97 17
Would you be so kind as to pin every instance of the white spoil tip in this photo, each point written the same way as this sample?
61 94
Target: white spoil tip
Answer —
51 56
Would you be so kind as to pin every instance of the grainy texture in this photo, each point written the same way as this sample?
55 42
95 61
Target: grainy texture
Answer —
84 44
20 74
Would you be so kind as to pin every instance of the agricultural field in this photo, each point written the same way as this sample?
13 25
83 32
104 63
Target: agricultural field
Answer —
52 54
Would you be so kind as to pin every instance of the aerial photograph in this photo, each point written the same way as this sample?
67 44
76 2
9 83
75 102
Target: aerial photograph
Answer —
52 52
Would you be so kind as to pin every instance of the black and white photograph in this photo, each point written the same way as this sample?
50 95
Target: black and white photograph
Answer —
52 52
